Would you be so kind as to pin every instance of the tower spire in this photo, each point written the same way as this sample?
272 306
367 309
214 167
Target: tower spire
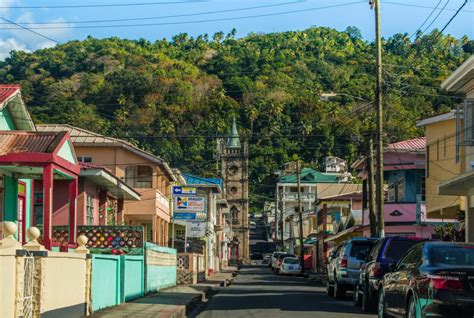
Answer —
233 141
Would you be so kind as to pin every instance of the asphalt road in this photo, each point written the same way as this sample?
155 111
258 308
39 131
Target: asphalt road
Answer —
257 292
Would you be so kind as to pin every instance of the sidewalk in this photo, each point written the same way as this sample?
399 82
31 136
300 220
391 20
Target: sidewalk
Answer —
172 302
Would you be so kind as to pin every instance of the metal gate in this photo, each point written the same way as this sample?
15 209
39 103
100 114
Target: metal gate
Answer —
26 303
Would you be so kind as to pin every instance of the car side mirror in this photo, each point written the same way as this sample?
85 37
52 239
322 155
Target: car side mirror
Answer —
361 256
392 267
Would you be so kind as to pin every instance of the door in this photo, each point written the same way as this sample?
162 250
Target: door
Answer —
21 211
412 262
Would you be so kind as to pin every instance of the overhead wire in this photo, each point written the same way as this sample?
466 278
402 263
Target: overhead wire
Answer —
451 20
436 17
427 18
29 30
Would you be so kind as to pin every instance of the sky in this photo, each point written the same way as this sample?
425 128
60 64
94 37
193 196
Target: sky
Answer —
67 19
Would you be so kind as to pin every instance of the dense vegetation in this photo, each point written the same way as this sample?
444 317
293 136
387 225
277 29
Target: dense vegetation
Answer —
175 97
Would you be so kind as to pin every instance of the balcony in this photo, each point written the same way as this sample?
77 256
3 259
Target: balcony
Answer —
294 196
152 202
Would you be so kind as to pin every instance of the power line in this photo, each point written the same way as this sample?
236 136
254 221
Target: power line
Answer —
102 5
436 17
452 18
196 21
166 16
427 18
29 30
420 6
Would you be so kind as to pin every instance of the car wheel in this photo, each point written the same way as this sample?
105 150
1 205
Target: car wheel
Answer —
356 299
381 306
367 303
411 308
329 288
339 290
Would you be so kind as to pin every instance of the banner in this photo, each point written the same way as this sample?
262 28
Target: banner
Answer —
196 229
189 204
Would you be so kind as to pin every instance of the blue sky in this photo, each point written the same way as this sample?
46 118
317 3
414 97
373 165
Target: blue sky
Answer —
244 15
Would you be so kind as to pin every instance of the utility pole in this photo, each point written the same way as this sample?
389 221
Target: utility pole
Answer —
276 214
281 220
300 214
370 164
379 102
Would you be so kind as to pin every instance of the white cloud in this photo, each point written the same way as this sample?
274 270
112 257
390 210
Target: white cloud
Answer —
6 4
8 45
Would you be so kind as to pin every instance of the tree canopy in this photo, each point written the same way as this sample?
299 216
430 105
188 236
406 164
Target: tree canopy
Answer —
176 97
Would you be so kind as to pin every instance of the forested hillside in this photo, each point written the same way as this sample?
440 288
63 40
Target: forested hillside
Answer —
174 97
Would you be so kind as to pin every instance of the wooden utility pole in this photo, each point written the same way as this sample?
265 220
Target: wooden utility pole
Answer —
281 220
379 103
300 214
370 164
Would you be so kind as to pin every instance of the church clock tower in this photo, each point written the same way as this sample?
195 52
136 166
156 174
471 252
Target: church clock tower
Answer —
234 172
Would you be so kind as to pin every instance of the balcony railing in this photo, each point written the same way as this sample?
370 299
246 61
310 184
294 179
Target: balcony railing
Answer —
294 196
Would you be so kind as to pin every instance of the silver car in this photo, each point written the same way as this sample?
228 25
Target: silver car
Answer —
290 266
344 265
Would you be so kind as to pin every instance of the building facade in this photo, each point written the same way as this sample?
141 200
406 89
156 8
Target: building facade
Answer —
234 172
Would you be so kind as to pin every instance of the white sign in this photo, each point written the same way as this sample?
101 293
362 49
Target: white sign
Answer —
196 229
189 204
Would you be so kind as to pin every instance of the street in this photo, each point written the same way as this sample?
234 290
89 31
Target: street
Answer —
257 292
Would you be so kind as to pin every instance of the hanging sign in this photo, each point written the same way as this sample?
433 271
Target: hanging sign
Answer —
184 216
196 229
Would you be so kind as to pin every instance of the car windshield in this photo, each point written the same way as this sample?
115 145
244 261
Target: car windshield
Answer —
358 247
291 261
452 255
397 248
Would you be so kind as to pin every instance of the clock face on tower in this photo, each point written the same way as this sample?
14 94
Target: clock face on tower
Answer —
233 169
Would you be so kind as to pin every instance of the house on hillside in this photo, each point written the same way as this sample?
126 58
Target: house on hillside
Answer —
147 174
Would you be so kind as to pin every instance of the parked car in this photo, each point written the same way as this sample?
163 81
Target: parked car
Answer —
344 265
290 266
279 261
387 250
274 259
433 279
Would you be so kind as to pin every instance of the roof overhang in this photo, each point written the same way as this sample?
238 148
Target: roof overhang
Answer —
215 188
436 119
20 115
106 180
461 185
460 77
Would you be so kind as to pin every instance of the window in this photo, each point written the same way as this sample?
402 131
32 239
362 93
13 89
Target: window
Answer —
396 248
90 209
139 176
84 159
412 258
423 189
233 190
469 121
396 191
235 215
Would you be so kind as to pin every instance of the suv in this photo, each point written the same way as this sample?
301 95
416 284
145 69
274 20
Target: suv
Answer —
274 259
388 250
344 265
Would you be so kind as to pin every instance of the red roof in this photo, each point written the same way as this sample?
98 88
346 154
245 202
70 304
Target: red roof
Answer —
7 91
28 142
412 144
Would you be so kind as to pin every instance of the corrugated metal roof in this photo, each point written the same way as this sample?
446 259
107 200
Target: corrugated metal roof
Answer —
29 142
7 91
330 190
190 179
412 144
309 175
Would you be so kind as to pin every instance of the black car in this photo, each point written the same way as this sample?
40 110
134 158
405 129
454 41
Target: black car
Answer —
433 279
256 256
387 250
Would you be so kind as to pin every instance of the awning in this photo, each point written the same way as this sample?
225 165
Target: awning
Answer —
353 231
462 185
105 179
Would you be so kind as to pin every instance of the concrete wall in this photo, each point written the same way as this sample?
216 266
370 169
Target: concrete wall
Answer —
8 281
64 281
161 269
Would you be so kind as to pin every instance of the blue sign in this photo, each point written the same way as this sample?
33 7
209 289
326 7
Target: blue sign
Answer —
184 216
184 190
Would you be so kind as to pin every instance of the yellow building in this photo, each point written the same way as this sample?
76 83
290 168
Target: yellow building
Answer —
147 174
450 138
